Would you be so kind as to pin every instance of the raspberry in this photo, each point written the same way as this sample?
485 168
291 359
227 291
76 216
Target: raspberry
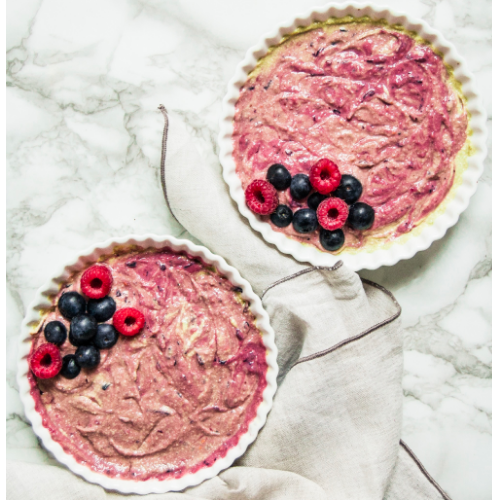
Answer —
96 282
332 213
261 197
128 321
325 176
46 361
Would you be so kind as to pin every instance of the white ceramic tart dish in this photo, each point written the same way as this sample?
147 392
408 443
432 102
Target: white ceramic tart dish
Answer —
43 302
437 222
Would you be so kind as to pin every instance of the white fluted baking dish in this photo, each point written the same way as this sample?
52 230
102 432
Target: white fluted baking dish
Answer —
42 302
400 248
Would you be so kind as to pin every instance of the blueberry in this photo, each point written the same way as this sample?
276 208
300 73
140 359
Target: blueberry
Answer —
361 216
315 199
282 216
305 220
82 330
71 304
102 309
279 176
70 368
74 341
349 190
55 332
88 356
106 336
331 240
300 186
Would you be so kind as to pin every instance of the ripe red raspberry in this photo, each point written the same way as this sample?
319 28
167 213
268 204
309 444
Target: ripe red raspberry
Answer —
96 282
128 321
262 197
46 361
332 213
325 176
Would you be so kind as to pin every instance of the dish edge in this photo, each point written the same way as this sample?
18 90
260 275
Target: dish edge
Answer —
90 255
397 251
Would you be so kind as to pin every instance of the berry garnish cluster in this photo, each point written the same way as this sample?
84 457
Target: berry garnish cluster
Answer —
332 200
88 330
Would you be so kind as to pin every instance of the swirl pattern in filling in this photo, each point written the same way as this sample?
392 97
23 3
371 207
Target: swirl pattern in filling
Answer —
172 399
374 100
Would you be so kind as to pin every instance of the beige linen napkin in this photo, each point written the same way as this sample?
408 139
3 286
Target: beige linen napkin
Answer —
334 430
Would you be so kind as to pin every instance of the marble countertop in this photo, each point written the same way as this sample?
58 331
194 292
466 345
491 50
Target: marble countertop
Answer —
84 82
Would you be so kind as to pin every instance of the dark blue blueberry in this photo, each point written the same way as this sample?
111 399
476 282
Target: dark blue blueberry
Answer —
349 190
82 330
102 309
70 368
106 336
361 216
74 341
71 304
331 240
300 186
315 199
55 332
305 220
282 216
88 356
279 176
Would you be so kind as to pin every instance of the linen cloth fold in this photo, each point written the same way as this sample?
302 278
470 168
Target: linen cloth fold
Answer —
334 429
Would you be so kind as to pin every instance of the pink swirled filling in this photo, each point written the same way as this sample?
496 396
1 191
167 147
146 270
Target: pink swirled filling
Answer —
177 396
370 98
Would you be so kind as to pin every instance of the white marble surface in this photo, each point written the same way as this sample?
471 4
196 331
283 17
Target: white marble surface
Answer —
84 81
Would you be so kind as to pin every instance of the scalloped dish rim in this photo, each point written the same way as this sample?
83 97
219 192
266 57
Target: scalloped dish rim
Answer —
395 250
42 301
